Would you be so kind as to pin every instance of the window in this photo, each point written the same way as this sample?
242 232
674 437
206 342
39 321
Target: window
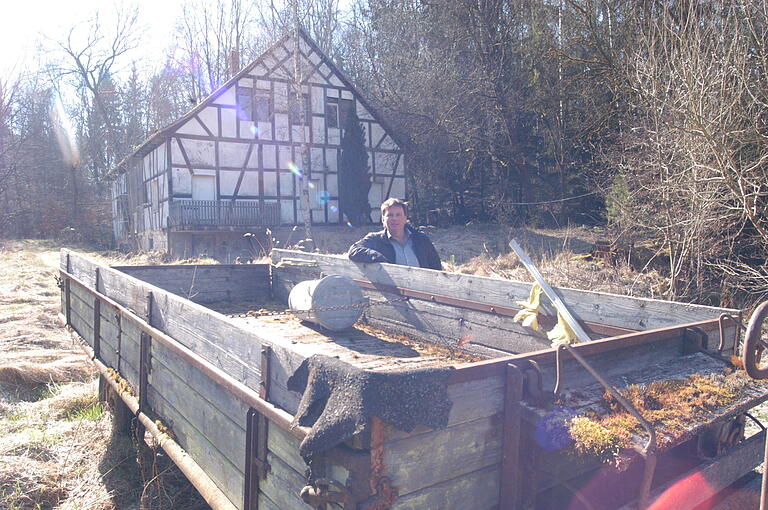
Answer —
299 117
337 111
345 110
244 103
332 112
263 107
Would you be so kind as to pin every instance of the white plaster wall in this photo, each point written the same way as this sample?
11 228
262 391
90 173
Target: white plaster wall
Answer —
182 181
264 131
331 160
318 130
228 97
285 156
176 157
281 127
250 184
233 154
398 188
200 152
210 117
270 184
286 211
229 123
269 156
286 184
332 184
228 181
192 127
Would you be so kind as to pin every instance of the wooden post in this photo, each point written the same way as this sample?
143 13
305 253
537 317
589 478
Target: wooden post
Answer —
68 295
510 486
97 319
256 466
146 455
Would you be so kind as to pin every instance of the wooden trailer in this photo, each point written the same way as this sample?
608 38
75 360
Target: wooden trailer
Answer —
437 399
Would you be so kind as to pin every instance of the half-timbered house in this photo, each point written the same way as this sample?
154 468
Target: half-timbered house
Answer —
235 162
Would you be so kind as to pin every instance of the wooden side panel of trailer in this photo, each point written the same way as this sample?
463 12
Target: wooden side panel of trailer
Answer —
489 333
456 467
206 420
232 283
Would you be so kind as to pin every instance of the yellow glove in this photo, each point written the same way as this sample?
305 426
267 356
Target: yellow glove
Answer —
562 333
528 316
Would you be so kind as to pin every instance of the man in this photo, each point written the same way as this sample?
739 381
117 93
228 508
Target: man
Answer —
398 243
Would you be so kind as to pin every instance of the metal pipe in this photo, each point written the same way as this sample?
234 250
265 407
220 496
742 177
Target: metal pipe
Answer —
274 414
204 485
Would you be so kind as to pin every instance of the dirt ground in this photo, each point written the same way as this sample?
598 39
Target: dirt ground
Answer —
57 447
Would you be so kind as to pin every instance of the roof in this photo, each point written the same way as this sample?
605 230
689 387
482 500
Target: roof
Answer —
158 137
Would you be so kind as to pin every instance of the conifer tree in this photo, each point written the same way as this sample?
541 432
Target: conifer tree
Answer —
354 180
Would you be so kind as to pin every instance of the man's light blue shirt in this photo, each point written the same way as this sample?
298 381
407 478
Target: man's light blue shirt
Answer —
404 254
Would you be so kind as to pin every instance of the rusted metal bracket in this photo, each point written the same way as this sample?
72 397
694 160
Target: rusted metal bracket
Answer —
386 495
257 427
323 491
145 360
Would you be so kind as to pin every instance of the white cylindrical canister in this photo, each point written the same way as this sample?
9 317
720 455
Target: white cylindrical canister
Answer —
334 302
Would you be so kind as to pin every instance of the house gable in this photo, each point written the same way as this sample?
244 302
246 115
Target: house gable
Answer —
244 143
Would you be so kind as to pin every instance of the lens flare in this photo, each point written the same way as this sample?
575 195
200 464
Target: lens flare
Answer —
324 197
349 224
333 208
552 430
65 134
311 185
255 131
295 170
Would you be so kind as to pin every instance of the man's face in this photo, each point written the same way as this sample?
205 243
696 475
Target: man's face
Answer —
394 219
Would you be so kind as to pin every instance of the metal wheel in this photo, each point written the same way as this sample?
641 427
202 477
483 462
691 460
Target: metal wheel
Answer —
755 345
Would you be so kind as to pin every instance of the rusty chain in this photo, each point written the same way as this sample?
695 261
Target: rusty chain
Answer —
279 313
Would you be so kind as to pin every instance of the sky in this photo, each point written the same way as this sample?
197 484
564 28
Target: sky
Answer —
24 23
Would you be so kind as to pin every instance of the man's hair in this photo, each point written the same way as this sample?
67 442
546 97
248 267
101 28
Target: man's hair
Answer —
390 202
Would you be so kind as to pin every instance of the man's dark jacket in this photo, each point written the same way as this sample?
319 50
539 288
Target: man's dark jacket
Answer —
375 247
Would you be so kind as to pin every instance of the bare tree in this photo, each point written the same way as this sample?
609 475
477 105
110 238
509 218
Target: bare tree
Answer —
93 54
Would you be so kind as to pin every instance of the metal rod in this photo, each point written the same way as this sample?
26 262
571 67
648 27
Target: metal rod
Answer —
204 485
274 414
469 304
550 292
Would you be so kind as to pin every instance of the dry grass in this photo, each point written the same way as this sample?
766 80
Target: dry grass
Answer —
671 405
57 447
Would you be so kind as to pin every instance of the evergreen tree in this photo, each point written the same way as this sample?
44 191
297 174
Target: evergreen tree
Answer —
354 180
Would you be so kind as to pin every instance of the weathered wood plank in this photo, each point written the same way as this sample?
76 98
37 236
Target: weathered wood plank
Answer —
224 434
420 461
622 311
222 401
478 491
286 447
471 400
283 484
448 326
217 466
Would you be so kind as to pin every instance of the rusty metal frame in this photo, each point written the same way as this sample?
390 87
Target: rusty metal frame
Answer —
495 367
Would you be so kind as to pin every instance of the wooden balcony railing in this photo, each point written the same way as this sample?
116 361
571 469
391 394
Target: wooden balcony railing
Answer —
213 214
